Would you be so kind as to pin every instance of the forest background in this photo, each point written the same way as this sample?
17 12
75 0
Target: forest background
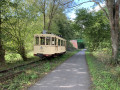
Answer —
21 19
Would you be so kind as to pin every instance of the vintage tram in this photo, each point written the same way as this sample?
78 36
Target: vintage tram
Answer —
48 45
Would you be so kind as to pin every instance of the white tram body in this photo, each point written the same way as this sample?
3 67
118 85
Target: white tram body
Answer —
48 45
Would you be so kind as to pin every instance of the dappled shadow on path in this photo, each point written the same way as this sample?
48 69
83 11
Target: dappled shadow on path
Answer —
71 75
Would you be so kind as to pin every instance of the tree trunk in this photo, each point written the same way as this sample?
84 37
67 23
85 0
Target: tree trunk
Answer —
113 9
51 14
44 14
114 38
49 24
44 20
22 52
2 51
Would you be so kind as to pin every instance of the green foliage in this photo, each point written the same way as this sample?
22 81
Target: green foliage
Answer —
62 26
47 66
103 76
21 19
28 78
34 76
12 57
94 28
69 46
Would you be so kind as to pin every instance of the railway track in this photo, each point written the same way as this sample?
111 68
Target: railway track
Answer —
7 70
10 76
15 71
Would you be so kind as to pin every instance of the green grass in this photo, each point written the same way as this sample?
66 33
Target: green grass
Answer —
13 59
104 77
32 75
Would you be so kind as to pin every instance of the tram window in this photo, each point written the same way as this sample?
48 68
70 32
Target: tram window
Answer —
64 43
47 40
42 40
53 41
61 42
58 42
37 40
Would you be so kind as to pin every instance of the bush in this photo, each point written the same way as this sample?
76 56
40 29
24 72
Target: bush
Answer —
69 46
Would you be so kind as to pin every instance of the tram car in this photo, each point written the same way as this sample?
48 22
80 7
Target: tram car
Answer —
48 45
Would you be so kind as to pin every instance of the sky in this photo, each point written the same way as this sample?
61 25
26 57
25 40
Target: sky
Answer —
71 15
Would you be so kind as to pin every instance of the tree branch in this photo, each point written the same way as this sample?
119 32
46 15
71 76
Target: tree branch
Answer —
66 3
101 8
80 4
87 2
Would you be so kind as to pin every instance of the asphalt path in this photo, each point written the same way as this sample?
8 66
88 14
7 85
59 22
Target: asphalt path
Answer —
71 75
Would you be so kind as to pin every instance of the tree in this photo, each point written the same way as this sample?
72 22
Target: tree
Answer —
16 27
4 4
49 8
94 28
2 51
112 14
65 26
113 10
42 6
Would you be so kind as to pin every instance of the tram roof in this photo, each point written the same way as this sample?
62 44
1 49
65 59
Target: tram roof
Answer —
49 35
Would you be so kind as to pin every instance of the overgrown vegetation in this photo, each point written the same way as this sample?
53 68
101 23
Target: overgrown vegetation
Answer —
30 76
103 75
21 19
111 13
13 60
94 28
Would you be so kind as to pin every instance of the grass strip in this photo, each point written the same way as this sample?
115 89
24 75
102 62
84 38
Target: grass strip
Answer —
32 75
101 75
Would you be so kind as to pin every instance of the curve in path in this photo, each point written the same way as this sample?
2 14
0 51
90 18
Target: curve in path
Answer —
71 75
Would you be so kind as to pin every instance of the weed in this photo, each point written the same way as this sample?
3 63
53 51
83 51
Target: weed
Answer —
32 75
47 67
101 75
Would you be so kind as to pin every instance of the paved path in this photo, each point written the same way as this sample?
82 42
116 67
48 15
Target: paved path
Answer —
71 75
